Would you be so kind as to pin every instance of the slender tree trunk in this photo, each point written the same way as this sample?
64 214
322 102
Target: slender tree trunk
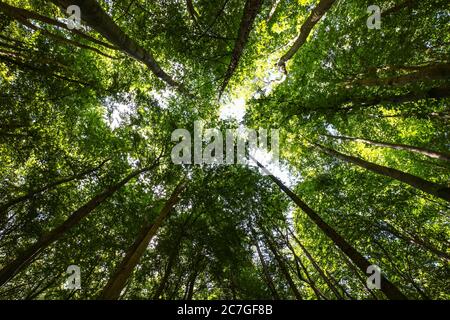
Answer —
317 13
191 10
191 284
410 238
389 289
402 273
419 150
283 268
432 188
267 276
251 9
272 10
317 267
33 193
336 283
123 272
98 19
308 279
41 71
168 270
29 254
189 291
358 275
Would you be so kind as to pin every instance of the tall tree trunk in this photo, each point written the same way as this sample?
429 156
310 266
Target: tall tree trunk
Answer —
189 291
98 19
192 12
336 283
27 256
389 289
267 276
23 17
123 272
42 71
426 73
317 267
432 188
33 193
168 270
283 268
251 9
358 275
438 93
411 238
396 146
26 14
317 13
308 279
404 274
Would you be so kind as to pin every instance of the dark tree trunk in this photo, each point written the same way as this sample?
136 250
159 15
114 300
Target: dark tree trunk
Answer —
33 193
389 289
251 9
434 189
28 255
123 272
98 19
283 268
397 146
317 13
267 276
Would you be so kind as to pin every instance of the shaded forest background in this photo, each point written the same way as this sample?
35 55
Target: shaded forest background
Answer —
86 177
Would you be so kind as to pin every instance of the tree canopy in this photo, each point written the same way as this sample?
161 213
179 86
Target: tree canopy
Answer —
87 114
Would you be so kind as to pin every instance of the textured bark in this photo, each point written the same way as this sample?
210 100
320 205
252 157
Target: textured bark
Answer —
28 255
251 9
397 146
317 13
389 289
98 19
123 272
432 188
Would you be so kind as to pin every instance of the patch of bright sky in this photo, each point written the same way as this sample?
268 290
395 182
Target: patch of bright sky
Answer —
235 110
118 112
163 97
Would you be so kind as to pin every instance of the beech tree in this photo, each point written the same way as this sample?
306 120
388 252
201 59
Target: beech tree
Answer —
87 118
